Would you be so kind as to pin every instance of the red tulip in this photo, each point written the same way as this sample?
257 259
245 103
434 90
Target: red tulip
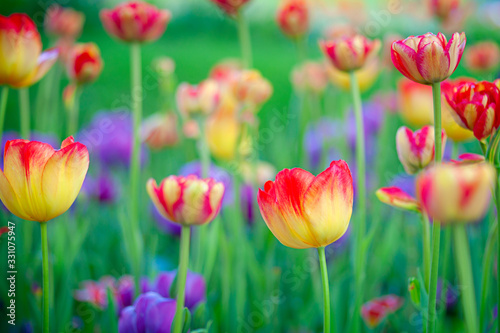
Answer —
231 7
135 21
84 63
428 58
63 22
293 18
374 311
396 197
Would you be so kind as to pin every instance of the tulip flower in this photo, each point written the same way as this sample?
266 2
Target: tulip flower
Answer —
160 131
187 200
350 52
396 197
84 63
482 57
310 76
416 149
443 8
428 58
195 287
251 89
304 211
452 193
293 18
22 62
365 76
202 99
63 22
476 106
230 7
135 21
374 311
55 177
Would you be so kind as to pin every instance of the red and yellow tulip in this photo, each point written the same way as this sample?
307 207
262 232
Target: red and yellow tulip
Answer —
63 22
304 211
452 193
416 149
39 183
293 18
396 197
84 63
187 200
203 98
22 62
135 21
483 57
428 58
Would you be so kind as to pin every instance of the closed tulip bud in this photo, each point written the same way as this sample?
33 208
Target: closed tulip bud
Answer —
187 200
22 62
396 197
230 7
135 21
453 193
366 76
160 130
442 9
39 183
428 58
476 106
63 22
310 76
483 57
84 63
203 98
293 18
251 89
350 52
304 211
416 149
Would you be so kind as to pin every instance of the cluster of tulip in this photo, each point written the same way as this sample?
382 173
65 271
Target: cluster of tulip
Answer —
221 116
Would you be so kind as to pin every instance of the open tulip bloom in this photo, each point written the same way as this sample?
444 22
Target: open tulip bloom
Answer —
38 184
306 211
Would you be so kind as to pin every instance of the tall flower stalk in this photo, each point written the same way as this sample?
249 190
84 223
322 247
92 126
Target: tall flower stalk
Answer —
24 109
3 108
245 41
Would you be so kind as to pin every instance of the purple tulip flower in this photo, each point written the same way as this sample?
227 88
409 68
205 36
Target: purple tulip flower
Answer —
195 287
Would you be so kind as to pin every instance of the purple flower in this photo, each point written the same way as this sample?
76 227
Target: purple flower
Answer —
103 188
109 138
215 172
451 297
165 224
319 135
124 292
150 313
195 287
247 196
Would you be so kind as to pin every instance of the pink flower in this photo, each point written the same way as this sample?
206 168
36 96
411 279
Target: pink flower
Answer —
376 310
428 58
396 197
231 7
293 18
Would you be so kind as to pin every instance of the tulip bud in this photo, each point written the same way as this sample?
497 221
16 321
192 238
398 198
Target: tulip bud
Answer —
396 197
160 130
428 58
416 149
135 21
310 76
349 53
483 57
230 7
251 89
442 9
293 18
376 310
201 99
63 22
306 211
22 62
187 200
476 106
452 193
84 63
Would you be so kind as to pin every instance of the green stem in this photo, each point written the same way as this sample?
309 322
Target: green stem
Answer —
45 275
245 42
136 95
203 148
24 108
361 203
3 108
487 264
181 277
74 113
301 49
426 246
464 270
497 203
326 291
436 97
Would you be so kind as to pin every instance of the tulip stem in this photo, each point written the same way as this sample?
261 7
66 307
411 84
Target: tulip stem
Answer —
45 277
3 108
181 277
74 113
203 148
436 226
136 96
24 109
487 264
326 290
497 203
464 271
245 42
426 246
361 203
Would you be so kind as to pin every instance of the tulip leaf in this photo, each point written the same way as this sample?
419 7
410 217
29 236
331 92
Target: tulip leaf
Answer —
186 316
172 293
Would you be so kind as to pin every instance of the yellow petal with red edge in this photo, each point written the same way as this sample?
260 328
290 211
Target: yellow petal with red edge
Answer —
328 203
10 199
155 195
396 197
63 177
